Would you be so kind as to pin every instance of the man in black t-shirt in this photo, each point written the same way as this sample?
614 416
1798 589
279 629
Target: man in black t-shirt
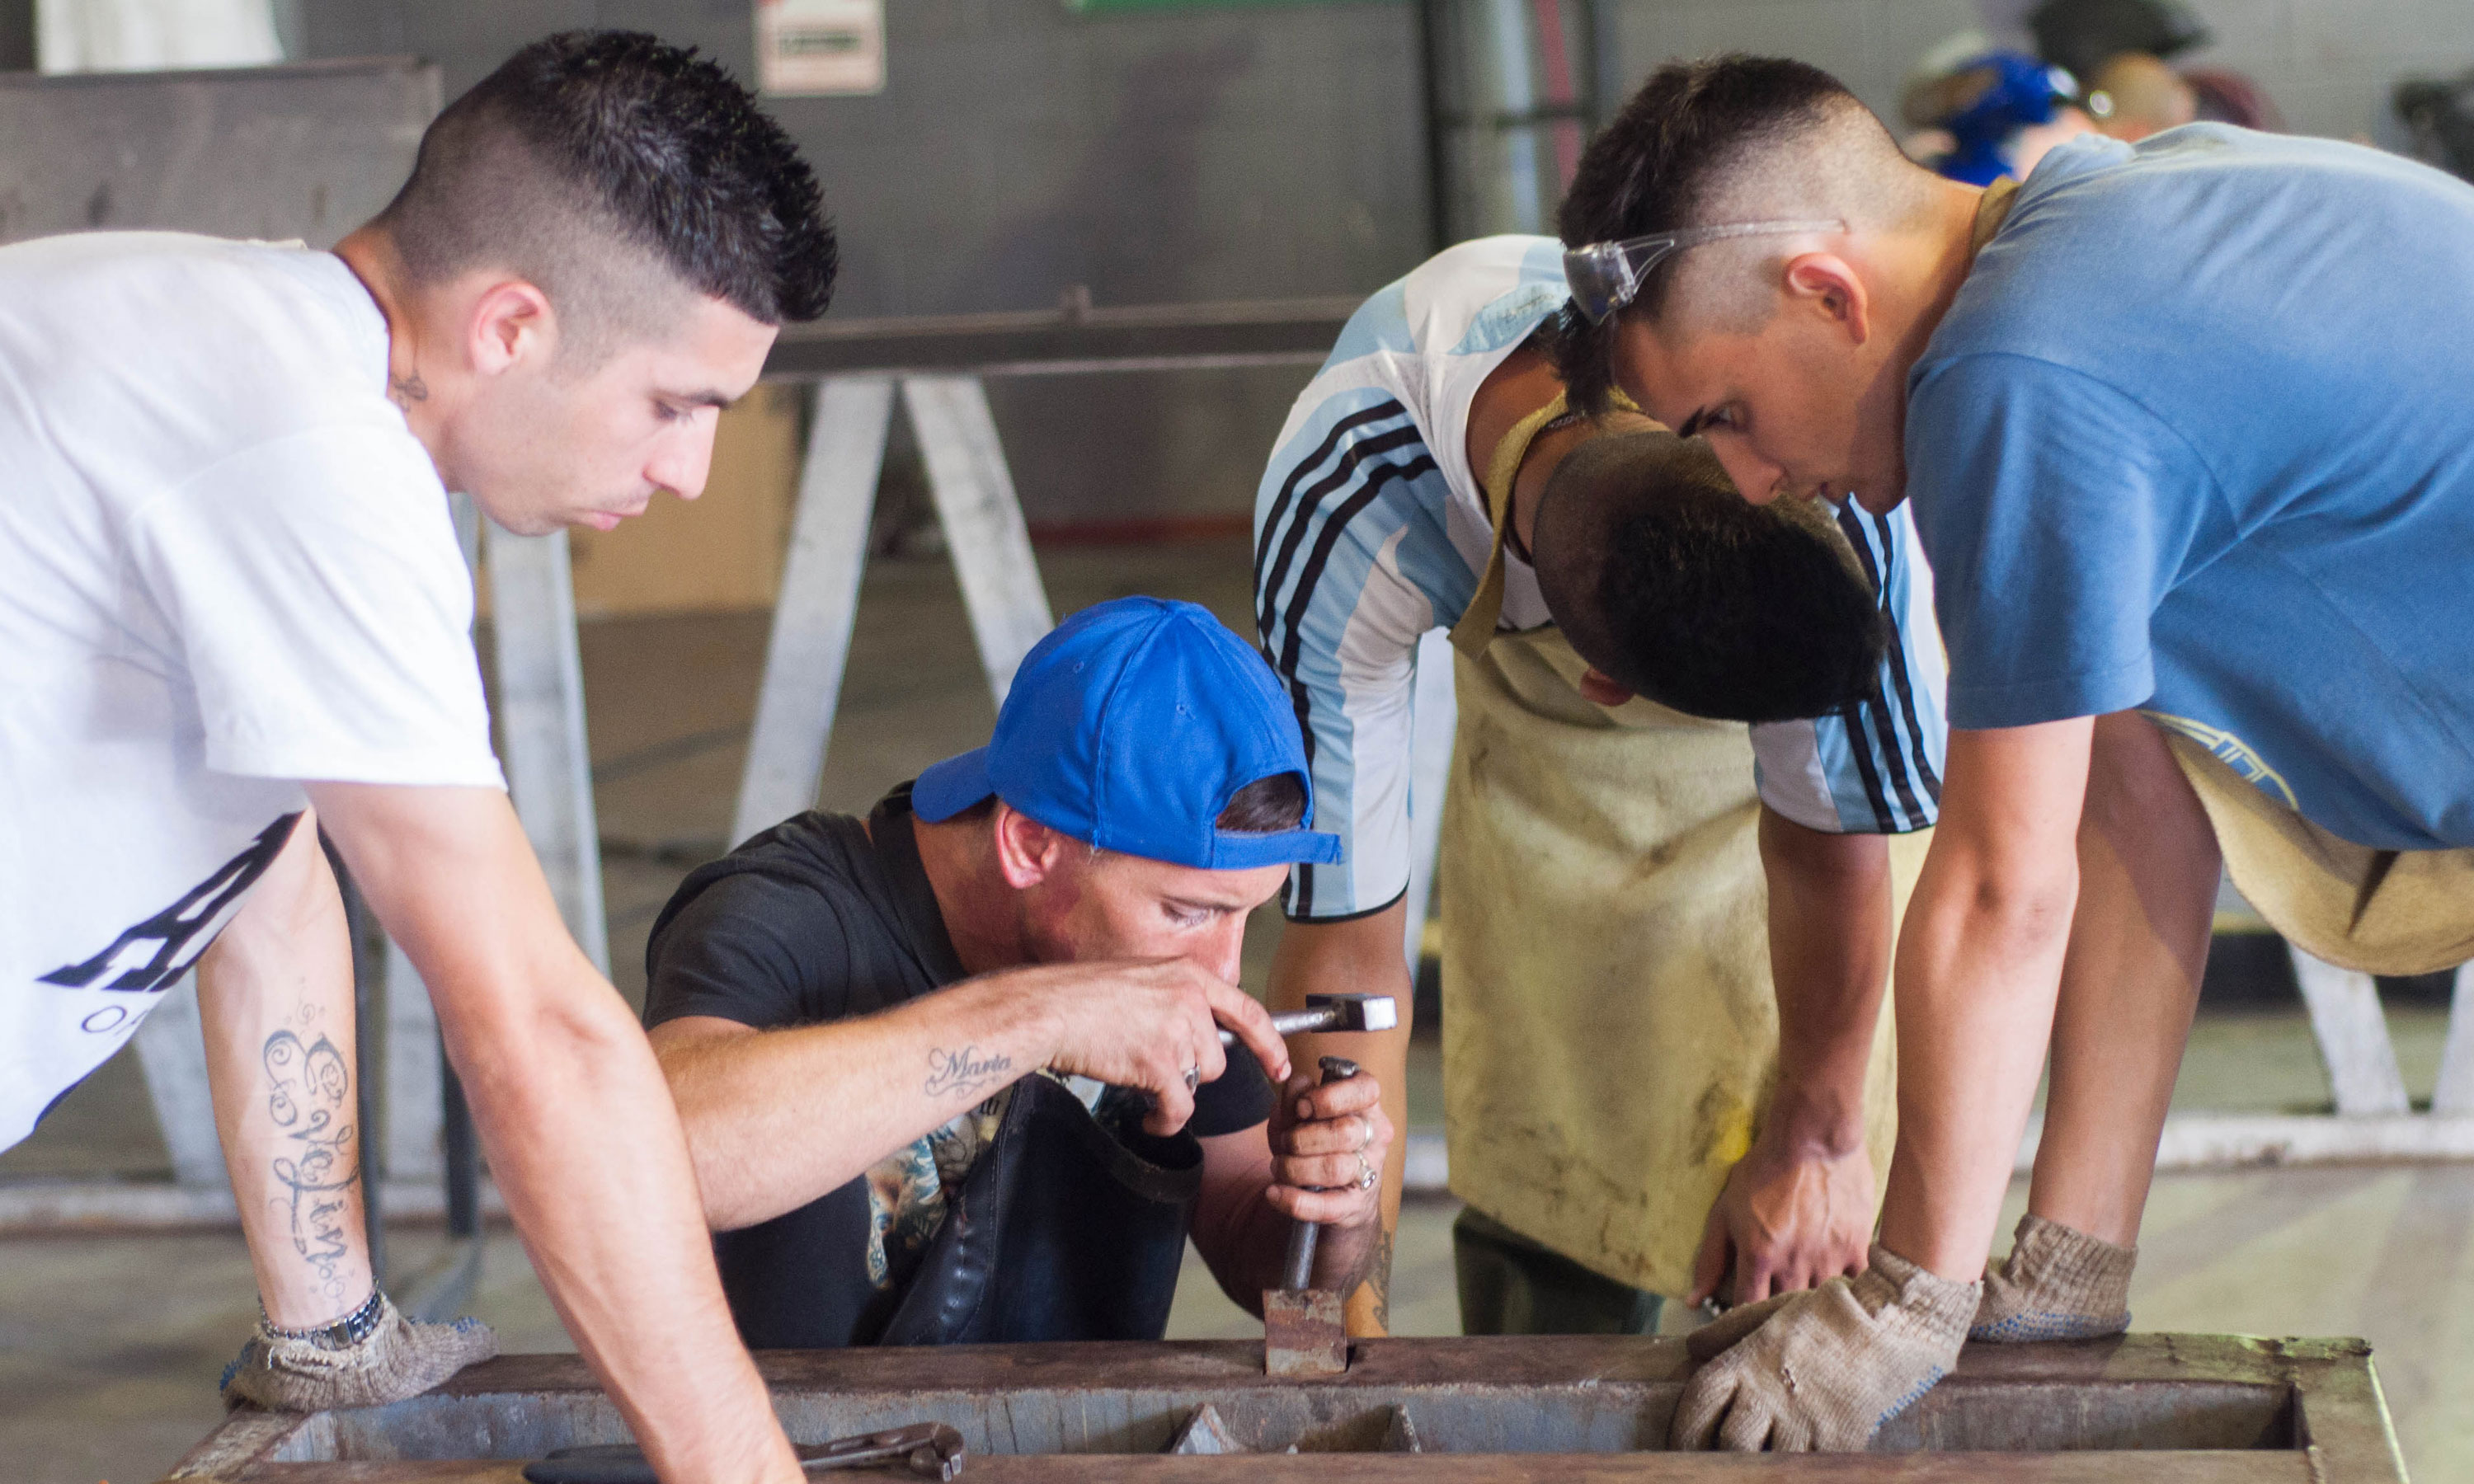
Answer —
954 1072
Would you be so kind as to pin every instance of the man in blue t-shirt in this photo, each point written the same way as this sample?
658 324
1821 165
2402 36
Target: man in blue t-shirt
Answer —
2185 433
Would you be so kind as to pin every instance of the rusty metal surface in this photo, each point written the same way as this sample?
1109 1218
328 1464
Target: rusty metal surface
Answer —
1305 1331
2219 1468
2195 1408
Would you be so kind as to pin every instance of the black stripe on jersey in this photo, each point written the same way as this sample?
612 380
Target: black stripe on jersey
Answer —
1852 717
1898 678
1346 470
1311 574
1387 408
1885 727
1285 662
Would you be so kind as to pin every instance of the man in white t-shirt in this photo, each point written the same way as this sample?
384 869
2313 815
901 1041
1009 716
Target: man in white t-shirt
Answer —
233 610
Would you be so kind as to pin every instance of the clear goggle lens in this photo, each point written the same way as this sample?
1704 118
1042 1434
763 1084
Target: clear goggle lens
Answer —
1604 276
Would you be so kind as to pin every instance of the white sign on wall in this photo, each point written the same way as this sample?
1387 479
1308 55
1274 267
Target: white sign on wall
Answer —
807 48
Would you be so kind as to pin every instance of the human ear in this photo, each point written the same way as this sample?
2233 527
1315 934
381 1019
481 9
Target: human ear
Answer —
1831 285
511 321
1027 850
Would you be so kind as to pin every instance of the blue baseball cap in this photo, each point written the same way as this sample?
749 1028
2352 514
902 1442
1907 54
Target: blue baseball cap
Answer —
1130 726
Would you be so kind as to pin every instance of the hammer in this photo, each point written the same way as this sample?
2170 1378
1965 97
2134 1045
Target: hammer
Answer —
1305 1332
1334 1012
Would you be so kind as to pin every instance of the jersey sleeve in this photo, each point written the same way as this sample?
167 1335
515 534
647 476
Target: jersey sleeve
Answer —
1352 564
319 599
2057 510
1874 766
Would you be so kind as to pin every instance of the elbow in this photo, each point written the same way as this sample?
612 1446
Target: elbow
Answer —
2015 911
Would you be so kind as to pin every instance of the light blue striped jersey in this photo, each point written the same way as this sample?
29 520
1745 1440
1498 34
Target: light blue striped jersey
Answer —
1370 530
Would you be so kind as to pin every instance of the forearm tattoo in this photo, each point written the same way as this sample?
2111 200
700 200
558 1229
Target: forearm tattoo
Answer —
964 1072
310 1100
1378 1278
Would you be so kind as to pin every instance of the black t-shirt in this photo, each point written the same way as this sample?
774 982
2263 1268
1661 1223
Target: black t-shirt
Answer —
811 922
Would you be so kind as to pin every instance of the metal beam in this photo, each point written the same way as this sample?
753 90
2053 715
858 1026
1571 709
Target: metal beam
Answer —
810 646
541 724
983 520
171 1047
1071 337
2353 1037
2455 1092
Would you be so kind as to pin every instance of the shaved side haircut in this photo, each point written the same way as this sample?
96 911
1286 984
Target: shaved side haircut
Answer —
618 175
1726 139
1666 582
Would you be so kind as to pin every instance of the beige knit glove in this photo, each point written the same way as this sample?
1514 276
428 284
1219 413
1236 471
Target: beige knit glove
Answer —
398 1360
2056 1285
1830 1365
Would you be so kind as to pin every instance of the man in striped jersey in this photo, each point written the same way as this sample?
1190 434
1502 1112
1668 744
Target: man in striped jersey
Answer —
1619 877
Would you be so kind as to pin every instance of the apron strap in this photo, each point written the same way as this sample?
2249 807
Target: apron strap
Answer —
1476 626
1477 623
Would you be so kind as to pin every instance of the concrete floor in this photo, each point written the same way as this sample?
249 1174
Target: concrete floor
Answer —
110 1346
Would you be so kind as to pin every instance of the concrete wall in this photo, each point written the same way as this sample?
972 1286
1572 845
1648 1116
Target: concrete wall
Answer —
1200 153
1019 149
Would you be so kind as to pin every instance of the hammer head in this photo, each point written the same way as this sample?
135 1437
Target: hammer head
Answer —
1358 1012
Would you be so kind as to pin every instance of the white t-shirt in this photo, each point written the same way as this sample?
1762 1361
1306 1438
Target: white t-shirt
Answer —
225 567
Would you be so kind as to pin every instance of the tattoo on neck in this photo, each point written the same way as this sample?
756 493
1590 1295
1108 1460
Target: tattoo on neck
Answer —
964 1072
406 390
310 1099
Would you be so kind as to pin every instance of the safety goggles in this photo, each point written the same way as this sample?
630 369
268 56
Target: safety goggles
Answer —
1604 276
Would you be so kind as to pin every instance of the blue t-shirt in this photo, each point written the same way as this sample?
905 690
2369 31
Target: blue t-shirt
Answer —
2196 437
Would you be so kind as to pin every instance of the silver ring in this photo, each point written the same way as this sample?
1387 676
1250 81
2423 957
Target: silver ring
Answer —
1193 1078
1366 1175
1365 1135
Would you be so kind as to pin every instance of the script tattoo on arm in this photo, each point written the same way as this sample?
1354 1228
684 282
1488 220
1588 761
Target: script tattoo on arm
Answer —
1378 1280
310 1098
964 1072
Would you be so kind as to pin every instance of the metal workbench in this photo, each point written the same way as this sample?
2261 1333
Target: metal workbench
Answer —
2189 1409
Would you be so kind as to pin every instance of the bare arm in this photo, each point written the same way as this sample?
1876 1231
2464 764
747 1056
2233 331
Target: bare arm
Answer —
274 997
573 1116
1358 954
1798 1209
777 1119
1979 963
1302 1165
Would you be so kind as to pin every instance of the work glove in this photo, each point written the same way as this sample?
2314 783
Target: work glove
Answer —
2056 1285
397 1359
1820 1370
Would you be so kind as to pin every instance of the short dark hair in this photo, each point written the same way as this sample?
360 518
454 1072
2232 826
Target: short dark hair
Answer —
1266 806
1656 168
592 140
1666 582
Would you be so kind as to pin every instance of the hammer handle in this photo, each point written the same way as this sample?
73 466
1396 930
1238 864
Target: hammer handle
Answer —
1293 1022
1298 1271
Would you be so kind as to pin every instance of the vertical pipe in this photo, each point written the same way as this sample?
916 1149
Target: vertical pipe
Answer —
1429 21
463 1155
1515 63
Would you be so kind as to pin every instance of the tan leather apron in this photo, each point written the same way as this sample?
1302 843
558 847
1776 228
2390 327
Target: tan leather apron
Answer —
1610 1035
